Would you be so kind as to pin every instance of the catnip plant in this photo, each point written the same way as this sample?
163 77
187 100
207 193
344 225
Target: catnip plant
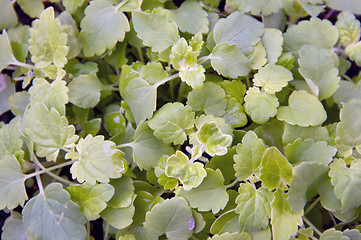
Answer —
160 119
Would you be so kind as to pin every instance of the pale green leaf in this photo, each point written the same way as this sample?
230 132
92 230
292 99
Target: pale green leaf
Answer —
7 89
347 91
258 56
91 199
48 130
8 17
234 88
352 6
292 132
210 99
52 215
272 78
318 69
235 115
229 61
212 187
256 7
13 228
320 33
170 217
303 109
155 31
170 122
193 76
284 221
168 182
141 98
74 43
333 234
249 156
232 236
242 30
227 222
354 52
118 218
190 174
32 8
307 176
259 105
10 140
272 41
253 206
124 192
102 27
309 150
98 160
84 91
190 17
225 164
147 149
346 181
72 5
54 95
47 43
328 198
7 57
131 5
275 170
182 56
153 72
348 27
135 232
12 179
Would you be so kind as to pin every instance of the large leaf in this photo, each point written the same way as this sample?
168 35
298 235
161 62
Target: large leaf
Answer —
12 179
13 228
155 31
318 69
52 215
212 187
124 192
48 130
272 41
272 78
170 217
118 218
102 26
8 18
345 5
98 160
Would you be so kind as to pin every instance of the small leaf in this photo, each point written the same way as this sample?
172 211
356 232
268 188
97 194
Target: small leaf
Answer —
354 52
8 17
276 170
292 132
32 8
349 28
13 228
235 115
102 27
52 215
272 41
352 6
232 236
118 218
264 7
212 187
193 76
124 192
272 78
10 140
303 109
333 234
7 57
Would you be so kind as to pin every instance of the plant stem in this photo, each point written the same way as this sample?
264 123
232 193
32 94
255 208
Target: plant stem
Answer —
39 182
166 80
180 91
312 206
312 226
120 5
47 170
21 64
203 59
88 230
106 232
235 181
124 145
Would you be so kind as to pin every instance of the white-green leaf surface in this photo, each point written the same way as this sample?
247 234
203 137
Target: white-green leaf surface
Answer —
256 7
272 41
7 56
352 6
13 228
8 17
272 78
349 28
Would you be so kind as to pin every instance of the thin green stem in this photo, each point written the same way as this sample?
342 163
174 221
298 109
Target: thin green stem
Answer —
88 237
347 77
39 182
47 170
124 145
235 181
312 226
203 59
248 83
106 232
21 64
312 205
121 4
109 88
180 91
140 53
166 80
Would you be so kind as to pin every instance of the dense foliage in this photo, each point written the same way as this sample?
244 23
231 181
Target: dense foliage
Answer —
154 119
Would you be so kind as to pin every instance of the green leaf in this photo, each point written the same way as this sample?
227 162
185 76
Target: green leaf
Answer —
168 182
212 187
32 8
348 130
229 61
239 29
18 102
72 5
118 218
155 31
348 27
307 176
352 6
98 160
147 149
225 164
232 236
253 206
333 234
272 78
52 215
7 57
227 222
346 181
170 122
309 150
284 221
292 132
320 33
47 43
8 17
318 69
54 95
259 105
210 99
190 17
84 91
102 27
141 98
182 56
249 156
7 89
264 7
193 76
354 52
153 72
258 56
91 199
10 140
190 174
303 109
13 228
234 88
170 217
235 115
12 179
48 130
124 192
272 41
276 170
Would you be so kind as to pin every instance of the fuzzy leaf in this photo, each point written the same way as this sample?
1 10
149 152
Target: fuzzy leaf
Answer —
272 78
102 27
